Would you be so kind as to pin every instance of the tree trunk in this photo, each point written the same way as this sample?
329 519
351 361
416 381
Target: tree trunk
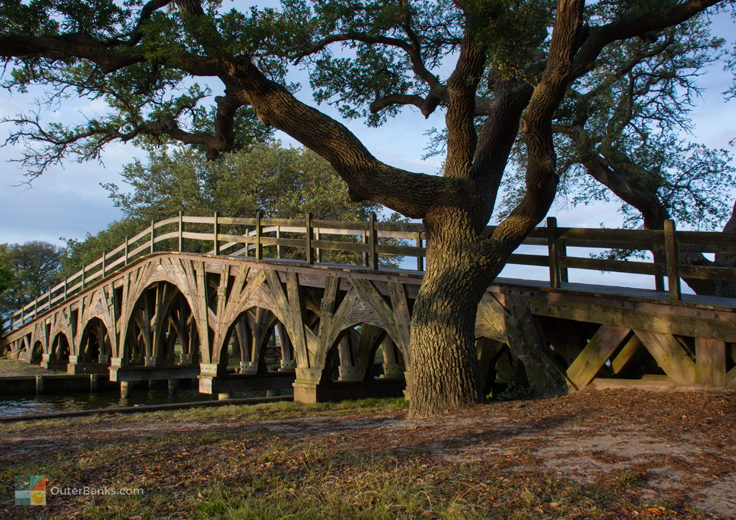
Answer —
444 370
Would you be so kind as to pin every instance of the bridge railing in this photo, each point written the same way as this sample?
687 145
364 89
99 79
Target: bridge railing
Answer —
372 244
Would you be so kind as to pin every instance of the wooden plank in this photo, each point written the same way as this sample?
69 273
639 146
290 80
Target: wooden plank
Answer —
166 236
702 272
143 234
338 227
234 239
669 355
112 265
599 348
706 241
198 220
608 313
401 250
626 353
138 250
522 259
117 250
401 235
335 245
618 266
166 222
629 238
283 222
236 221
409 227
710 362
198 236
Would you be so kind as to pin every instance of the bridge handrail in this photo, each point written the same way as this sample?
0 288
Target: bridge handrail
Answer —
367 239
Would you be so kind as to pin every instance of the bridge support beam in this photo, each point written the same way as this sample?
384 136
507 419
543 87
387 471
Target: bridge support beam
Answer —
710 362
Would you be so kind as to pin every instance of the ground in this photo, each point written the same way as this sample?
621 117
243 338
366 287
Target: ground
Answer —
594 454
13 367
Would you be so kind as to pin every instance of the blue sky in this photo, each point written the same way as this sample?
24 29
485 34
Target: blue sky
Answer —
68 201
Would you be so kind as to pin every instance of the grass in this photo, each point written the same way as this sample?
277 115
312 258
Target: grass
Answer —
233 472
629 478
265 411
13 368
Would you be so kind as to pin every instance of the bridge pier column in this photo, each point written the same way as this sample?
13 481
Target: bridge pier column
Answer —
249 367
45 360
125 389
71 367
173 386
209 373
115 364
392 369
306 386
351 374
153 362
287 365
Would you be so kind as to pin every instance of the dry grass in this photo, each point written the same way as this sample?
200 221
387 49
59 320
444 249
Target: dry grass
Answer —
360 459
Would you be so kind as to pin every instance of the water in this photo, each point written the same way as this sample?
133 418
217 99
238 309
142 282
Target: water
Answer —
16 406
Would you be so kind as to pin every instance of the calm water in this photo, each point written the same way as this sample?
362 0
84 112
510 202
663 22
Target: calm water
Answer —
20 406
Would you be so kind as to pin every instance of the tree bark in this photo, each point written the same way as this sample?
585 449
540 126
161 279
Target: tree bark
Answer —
444 370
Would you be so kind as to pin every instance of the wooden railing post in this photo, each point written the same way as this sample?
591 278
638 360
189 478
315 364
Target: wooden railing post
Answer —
153 235
181 231
278 246
317 250
83 268
671 260
365 254
308 231
372 254
104 262
259 249
65 286
562 252
554 270
216 231
126 250
420 258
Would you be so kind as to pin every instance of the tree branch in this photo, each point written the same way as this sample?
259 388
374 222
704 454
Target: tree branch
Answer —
368 178
541 179
599 37
460 118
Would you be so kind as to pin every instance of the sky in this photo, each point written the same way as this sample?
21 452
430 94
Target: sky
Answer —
68 202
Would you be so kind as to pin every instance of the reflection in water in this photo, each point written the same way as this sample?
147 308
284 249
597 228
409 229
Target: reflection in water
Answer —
19 406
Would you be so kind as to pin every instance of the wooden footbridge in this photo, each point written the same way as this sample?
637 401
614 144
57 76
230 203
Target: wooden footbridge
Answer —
220 299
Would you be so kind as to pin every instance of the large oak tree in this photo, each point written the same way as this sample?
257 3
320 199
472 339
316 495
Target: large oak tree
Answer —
513 63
